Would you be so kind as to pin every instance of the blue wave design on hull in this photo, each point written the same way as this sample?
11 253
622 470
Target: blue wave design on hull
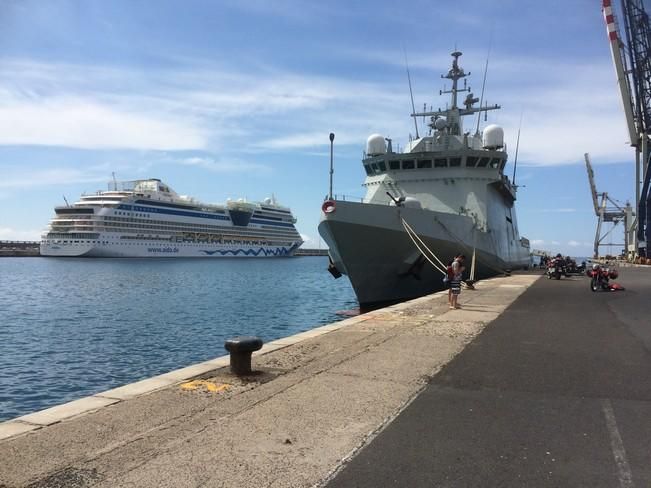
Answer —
279 251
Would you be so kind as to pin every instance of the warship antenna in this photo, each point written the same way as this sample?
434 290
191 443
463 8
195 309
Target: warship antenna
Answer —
517 146
332 138
411 93
115 183
483 83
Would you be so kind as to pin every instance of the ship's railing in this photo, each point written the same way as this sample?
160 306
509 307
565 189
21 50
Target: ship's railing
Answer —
353 198
347 198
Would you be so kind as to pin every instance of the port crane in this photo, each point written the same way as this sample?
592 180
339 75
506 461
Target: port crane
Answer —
632 61
613 214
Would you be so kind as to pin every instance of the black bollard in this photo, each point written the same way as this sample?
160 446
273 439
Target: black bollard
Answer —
240 349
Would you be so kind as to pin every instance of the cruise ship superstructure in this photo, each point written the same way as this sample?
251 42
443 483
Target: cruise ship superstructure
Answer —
448 187
146 218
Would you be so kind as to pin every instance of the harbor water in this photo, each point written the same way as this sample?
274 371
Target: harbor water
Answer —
73 327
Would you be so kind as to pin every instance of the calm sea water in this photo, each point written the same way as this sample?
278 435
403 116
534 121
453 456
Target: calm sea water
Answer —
73 327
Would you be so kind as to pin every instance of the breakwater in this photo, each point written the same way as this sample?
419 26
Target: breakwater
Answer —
19 249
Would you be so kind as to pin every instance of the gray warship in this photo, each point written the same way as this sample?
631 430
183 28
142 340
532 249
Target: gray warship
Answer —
445 193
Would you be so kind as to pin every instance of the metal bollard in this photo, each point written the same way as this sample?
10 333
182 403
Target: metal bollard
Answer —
240 349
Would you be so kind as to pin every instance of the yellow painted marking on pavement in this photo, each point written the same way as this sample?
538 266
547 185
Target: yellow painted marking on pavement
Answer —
208 385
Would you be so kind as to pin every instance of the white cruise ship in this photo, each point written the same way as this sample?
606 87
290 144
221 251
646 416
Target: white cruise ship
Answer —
146 218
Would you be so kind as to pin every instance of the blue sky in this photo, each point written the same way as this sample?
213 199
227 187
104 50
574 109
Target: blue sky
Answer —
228 99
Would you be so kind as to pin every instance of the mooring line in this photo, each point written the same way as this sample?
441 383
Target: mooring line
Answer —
442 269
413 234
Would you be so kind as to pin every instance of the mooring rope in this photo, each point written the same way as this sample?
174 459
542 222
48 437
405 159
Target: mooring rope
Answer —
443 269
410 231
488 265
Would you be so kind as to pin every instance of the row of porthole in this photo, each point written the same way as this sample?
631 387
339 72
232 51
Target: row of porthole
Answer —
131 214
446 180
148 243
180 226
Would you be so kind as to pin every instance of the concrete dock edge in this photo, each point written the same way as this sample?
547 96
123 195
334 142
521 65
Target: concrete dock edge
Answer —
322 394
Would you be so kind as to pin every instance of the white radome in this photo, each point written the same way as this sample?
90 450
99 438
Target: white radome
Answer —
493 137
375 145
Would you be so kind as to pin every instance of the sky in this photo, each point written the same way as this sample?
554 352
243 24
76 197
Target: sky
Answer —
228 99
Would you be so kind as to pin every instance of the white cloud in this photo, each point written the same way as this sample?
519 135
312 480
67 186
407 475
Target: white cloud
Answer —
232 166
53 176
85 123
185 108
574 243
313 139
537 242
557 210
199 105
9 234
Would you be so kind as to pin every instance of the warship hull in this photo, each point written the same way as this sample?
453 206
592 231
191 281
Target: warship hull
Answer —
370 245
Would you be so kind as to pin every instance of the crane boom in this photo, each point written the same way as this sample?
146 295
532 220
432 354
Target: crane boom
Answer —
616 49
593 187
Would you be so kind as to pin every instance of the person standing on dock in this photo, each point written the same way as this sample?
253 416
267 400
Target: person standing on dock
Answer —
455 282
448 278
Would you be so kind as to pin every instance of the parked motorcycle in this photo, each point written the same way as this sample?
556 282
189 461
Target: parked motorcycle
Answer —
600 277
556 268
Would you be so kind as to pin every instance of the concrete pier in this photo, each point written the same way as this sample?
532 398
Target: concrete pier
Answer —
383 399
19 249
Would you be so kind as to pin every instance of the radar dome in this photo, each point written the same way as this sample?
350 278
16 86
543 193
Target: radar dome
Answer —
267 201
440 124
493 137
375 145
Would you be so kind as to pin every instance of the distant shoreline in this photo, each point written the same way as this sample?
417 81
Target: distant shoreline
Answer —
19 249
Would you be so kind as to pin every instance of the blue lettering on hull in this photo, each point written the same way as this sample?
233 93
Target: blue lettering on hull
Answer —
163 249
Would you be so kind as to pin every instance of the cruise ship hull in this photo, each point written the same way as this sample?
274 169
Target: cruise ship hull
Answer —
370 245
162 250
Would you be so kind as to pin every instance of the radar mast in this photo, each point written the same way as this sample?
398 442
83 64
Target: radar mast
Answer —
454 113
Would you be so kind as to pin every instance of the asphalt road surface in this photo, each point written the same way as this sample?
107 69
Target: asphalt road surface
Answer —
554 393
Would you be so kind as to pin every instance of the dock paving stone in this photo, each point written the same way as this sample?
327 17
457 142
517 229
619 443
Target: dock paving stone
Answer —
186 373
409 359
317 355
16 427
321 409
460 330
56 414
108 430
469 315
138 388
